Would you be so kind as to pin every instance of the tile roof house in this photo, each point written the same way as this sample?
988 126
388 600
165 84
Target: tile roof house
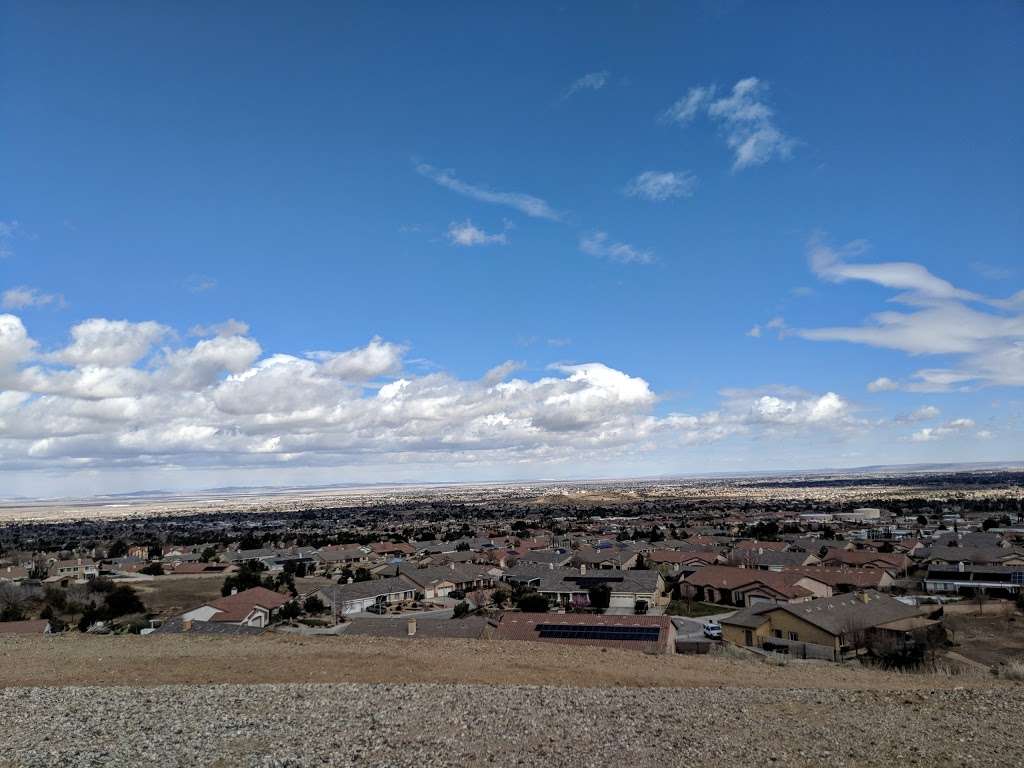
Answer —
357 596
894 563
254 607
557 558
845 579
609 556
776 561
334 556
833 626
685 560
973 555
392 549
571 586
651 634
439 581
726 585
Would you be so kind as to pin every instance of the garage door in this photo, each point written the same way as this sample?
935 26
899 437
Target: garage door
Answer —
622 601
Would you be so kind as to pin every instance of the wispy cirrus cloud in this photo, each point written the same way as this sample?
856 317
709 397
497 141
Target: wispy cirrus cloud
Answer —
985 336
200 283
687 108
23 297
658 186
7 232
592 81
601 245
529 205
924 413
748 122
467 234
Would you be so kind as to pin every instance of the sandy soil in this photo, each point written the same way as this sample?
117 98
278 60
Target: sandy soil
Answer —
989 639
132 660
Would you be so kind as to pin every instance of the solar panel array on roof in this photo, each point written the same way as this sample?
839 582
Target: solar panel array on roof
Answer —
598 632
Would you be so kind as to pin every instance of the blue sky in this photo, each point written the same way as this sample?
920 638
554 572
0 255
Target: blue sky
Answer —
709 236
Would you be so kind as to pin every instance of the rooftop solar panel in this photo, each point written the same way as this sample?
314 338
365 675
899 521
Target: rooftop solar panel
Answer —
598 632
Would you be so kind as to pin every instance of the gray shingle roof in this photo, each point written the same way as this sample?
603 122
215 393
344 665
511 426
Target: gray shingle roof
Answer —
361 590
571 580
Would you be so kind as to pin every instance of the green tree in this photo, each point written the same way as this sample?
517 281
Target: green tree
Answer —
313 604
532 602
122 600
461 610
153 569
117 549
600 597
249 575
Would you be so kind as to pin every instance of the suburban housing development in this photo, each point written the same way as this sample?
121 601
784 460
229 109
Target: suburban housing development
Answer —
653 571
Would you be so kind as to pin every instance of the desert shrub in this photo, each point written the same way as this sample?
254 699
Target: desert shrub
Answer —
1014 671
100 584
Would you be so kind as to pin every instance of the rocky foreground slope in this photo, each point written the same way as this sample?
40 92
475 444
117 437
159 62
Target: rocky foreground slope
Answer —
469 725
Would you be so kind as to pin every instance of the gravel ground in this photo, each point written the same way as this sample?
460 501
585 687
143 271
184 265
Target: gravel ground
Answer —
469 725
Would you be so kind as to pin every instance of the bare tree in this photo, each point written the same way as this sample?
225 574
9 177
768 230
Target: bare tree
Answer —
12 601
980 598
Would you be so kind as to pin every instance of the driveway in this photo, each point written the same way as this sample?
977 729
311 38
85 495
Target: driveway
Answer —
693 629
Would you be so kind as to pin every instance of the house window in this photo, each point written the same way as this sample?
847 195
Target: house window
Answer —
794 636
777 633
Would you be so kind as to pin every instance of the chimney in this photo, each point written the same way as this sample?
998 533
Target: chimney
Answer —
411 627
583 569
865 597
551 566
350 580
452 566
234 590
186 625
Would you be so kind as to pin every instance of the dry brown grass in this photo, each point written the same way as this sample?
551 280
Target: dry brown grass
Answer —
75 659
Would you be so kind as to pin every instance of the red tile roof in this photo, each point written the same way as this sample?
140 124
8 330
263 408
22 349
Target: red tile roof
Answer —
236 607
727 577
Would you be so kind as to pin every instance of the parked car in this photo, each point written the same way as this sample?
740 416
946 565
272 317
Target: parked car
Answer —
376 609
713 630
